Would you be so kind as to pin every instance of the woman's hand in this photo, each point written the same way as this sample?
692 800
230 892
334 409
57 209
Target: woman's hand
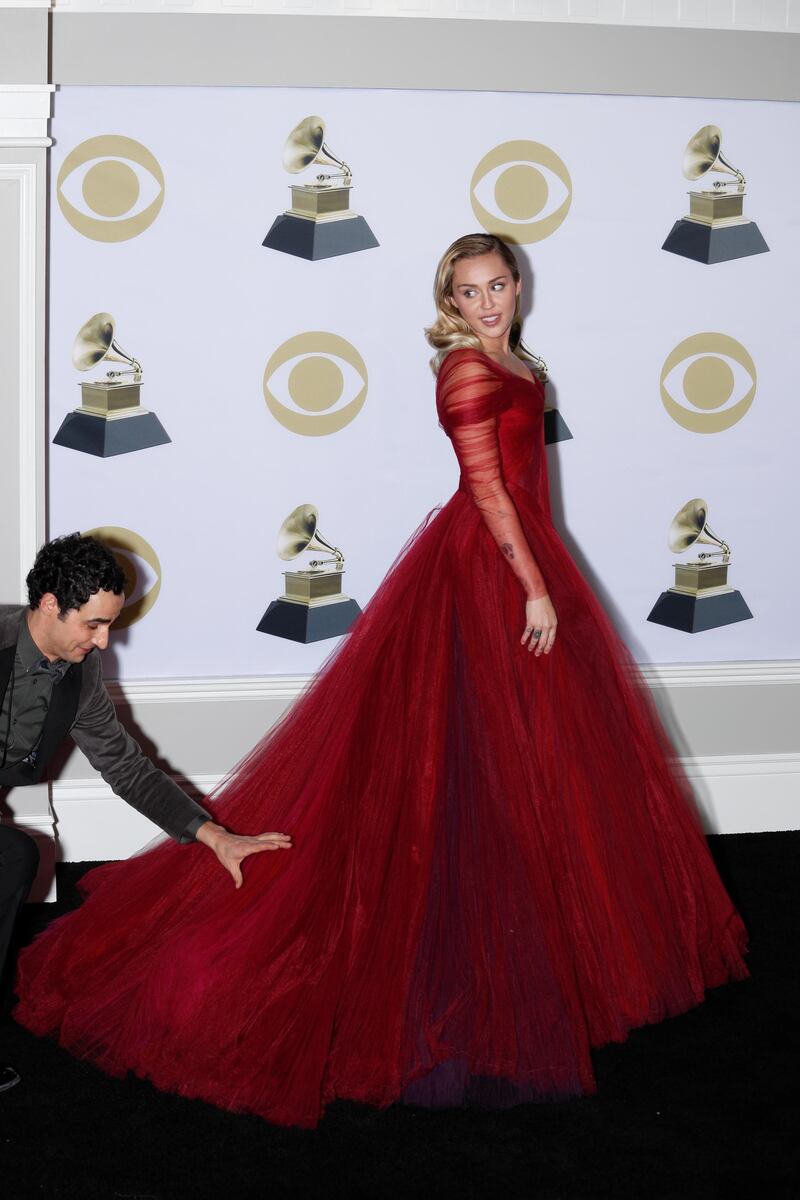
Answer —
540 617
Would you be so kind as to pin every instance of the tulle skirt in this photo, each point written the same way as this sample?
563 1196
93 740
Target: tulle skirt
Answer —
496 867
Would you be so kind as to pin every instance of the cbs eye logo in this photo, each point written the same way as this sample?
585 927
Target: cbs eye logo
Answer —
116 178
715 375
308 377
529 190
139 564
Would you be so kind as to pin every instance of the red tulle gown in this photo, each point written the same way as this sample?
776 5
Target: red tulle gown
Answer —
494 866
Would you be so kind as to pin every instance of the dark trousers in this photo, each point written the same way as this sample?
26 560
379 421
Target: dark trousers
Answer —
19 860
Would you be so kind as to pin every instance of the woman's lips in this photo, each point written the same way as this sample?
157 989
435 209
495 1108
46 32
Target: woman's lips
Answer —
490 320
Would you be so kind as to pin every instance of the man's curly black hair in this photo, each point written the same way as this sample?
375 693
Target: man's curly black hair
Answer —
73 568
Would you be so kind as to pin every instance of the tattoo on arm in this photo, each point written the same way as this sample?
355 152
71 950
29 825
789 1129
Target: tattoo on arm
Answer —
507 549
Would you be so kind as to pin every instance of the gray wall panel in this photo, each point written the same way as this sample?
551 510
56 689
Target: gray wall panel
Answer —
23 45
739 719
300 51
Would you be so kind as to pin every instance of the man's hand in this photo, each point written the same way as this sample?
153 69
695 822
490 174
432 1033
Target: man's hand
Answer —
232 848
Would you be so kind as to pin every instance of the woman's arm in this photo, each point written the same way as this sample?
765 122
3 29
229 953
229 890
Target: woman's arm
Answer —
468 399
469 404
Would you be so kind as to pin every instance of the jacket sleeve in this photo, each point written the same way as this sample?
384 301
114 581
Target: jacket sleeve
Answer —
469 402
129 772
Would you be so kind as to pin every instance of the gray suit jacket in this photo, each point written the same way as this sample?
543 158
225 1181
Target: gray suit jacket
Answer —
92 723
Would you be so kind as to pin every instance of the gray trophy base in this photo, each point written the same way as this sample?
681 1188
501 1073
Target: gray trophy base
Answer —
324 239
300 623
96 435
555 427
694 614
690 239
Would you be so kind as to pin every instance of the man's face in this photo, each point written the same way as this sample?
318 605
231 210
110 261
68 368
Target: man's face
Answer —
71 636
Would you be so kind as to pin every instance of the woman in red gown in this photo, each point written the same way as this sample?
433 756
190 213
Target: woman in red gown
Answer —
495 865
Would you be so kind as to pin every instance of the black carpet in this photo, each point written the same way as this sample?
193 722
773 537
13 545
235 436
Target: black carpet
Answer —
700 1106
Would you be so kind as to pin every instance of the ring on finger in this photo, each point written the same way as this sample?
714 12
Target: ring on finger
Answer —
537 633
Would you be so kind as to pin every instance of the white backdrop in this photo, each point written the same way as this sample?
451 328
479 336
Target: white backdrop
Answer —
203 306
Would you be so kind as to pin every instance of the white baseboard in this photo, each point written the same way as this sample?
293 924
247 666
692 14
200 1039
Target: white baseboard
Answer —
749 793
94 825
752 793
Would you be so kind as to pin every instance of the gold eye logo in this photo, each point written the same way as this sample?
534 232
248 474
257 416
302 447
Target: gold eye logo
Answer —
314 372
139 564
716 377
529 187
110 175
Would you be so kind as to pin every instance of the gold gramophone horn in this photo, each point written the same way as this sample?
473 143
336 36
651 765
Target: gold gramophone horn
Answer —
690 525
95 342
306 145
524 352
704 154
299 532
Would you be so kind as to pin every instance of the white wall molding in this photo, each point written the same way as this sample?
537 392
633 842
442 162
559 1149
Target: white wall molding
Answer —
25 110
215 688
289 687
24 452
720 674
30 425
24 119
719 766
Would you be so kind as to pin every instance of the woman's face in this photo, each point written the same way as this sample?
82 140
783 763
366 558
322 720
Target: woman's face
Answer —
485 294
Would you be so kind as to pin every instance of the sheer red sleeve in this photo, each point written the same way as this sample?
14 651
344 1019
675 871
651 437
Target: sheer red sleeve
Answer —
469 400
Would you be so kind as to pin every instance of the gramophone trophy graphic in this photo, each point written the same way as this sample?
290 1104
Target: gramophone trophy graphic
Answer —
110 419
313 606
715 228
701 597
555 427
320 223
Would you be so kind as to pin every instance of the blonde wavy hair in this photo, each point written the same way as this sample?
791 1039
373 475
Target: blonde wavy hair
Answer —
450 331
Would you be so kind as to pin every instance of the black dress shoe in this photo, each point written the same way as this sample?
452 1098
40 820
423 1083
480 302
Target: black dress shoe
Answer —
8 1078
